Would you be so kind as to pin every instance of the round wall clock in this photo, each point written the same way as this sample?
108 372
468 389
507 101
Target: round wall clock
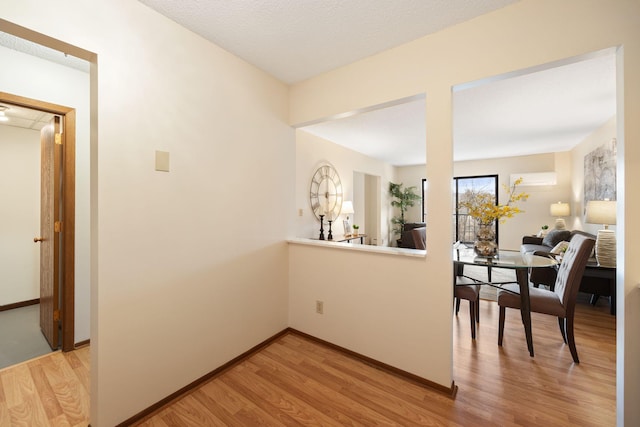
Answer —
326 192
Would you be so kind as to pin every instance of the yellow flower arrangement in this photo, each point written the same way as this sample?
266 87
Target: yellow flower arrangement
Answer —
482 205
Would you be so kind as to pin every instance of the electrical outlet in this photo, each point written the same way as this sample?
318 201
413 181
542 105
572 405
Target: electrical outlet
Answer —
320 307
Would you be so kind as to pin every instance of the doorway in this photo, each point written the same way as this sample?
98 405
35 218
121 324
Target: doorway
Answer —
57 299
366 202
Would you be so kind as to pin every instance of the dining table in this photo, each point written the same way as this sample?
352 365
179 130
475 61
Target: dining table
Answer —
521 263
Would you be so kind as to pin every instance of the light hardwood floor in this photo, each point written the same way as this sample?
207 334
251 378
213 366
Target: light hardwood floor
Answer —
52 390
295 381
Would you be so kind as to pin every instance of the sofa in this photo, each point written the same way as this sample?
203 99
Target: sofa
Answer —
546 244
592 281
408 236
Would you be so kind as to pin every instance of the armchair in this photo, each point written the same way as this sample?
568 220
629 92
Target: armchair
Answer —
407 239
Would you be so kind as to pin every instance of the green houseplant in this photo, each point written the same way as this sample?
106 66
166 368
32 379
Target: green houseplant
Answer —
481 205
403 199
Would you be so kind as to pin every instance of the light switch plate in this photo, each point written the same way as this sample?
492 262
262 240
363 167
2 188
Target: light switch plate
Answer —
162 161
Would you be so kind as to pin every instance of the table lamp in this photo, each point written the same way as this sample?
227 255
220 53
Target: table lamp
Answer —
347 209
603 212
559 210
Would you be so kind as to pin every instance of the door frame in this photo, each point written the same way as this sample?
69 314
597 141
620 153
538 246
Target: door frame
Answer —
67 288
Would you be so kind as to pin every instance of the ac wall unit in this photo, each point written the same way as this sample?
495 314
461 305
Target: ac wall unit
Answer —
534 179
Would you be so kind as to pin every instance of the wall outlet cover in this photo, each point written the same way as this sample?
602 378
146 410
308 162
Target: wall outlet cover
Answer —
162 161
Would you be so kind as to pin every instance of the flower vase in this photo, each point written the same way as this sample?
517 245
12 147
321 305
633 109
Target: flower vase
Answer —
485 244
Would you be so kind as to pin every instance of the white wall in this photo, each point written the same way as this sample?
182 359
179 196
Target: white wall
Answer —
412 176
525 34
536 208
370 308
31 77
600 137
311 151
171 270
370 211
190 267
19 214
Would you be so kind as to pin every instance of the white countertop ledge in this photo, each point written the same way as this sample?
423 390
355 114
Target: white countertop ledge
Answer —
416 253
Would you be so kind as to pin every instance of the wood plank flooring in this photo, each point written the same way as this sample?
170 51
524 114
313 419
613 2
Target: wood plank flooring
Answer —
507 387
52 390
295 381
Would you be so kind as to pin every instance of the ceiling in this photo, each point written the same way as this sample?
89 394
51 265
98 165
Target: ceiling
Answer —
24 117
294 40
544 111
21 45
551 108
535 112
394 134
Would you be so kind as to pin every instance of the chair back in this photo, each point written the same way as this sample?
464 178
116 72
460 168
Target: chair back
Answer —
571 270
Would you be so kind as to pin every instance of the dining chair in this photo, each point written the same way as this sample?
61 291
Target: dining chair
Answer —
560 302
467 289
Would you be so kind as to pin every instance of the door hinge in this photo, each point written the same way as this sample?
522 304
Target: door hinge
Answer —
57 226
56 315
58 138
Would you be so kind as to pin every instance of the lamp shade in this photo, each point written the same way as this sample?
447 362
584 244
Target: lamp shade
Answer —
559 209
601 212
347 207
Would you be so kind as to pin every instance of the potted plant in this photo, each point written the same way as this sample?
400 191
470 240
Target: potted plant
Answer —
403 199
355 229
482 206
543 231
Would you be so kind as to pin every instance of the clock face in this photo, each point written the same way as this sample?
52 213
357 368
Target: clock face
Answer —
326 192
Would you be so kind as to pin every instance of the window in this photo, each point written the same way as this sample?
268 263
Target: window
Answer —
464 225
424 200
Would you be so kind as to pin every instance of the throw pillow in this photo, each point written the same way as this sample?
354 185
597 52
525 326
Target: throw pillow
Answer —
559 248
556 236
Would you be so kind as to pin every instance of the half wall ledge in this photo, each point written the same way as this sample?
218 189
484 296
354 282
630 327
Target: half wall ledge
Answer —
383 250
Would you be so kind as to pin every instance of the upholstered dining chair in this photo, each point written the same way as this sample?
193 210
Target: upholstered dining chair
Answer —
467 289
560 302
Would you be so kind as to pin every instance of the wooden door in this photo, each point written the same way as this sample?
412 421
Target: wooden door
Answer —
64 258
50 228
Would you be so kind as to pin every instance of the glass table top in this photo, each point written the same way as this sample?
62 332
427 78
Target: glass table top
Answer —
504 259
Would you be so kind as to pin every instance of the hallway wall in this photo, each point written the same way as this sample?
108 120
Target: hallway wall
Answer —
19 214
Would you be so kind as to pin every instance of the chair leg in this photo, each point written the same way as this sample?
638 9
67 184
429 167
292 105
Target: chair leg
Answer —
478 310
457 305
563 331
501 326
571 339
472 316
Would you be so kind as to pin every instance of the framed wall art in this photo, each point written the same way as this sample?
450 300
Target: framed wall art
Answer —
600 173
